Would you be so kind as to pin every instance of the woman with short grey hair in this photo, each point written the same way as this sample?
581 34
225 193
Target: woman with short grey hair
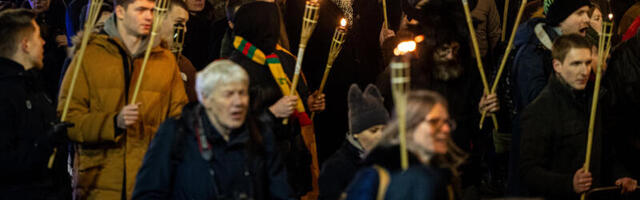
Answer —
216 149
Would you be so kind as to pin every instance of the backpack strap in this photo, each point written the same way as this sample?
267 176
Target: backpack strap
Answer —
542 35
383 183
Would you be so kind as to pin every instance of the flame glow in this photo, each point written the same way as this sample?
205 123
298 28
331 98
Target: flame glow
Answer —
405 47
610 16
419 38
343 22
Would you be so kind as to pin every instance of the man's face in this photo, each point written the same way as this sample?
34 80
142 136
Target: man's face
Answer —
446 63
34 44
177 15
229 104
577 22
575 68
195 5
137 17
39 6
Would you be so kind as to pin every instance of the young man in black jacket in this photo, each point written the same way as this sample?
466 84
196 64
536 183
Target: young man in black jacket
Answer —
29 132
554 130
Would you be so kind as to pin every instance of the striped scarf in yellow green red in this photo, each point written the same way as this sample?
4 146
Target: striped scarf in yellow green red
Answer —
273 62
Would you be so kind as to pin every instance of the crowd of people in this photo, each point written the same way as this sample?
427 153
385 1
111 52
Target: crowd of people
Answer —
216 115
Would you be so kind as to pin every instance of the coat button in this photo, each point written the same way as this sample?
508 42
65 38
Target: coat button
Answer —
28 104
211 172
246 173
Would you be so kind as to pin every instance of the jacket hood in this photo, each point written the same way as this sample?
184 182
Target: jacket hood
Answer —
258 23
111 29
526 31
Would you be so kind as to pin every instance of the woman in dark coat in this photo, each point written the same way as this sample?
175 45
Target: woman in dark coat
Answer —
256 32
216 149
433 158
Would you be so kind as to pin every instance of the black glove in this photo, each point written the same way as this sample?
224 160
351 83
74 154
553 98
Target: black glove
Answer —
57 134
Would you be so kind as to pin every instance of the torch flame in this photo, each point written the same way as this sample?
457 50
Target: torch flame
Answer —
405 47
419 38
343 22
610 16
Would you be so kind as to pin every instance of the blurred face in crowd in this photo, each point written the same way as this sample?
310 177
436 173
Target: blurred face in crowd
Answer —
39 6
104 15
228 105
32 45
446 63
577 22
177 15
195 5
596 20
575 68
435 130
370 137
136 17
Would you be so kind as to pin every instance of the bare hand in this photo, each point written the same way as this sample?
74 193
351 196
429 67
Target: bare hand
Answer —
316 102
61 40
128 115
489 103
582 181
627 184
385 34
284 107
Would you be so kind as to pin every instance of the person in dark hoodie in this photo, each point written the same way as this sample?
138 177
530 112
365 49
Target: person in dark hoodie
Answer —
217 149
532 64
433 158
256 32
27 113
367 117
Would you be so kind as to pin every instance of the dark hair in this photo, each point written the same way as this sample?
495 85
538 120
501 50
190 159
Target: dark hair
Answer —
563 44
14 25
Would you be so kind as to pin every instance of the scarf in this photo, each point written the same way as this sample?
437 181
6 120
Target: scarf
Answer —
273 62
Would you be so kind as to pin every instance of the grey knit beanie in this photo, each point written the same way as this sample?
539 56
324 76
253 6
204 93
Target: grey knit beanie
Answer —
365 109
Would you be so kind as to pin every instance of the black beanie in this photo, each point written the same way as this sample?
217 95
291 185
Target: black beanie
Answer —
559 10
365 109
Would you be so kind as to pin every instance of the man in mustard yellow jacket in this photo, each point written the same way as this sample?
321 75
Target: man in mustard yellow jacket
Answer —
112 133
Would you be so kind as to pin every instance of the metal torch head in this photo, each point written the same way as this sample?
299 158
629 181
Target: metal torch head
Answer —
178 38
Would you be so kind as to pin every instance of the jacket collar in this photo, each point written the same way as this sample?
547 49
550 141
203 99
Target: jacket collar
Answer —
10 68
195 111
561 87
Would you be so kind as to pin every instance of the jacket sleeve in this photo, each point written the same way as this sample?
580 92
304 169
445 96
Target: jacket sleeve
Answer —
90 126
277 175
154 177
530 76
19 156
535 151
178 93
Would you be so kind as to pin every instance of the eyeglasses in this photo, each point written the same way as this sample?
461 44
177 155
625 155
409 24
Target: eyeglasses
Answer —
447 49
437 123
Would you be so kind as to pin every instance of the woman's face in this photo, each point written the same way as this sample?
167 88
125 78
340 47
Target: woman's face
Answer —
596 20
434 131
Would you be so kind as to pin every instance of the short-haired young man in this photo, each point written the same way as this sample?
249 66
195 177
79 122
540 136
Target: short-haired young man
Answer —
27 137
554 129
112 132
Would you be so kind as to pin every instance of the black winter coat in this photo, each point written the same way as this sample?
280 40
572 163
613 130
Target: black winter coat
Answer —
264 92
26 115
554 138
248 166
338 170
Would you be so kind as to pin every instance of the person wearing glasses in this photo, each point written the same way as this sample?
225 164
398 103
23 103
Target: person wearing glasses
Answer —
433 157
